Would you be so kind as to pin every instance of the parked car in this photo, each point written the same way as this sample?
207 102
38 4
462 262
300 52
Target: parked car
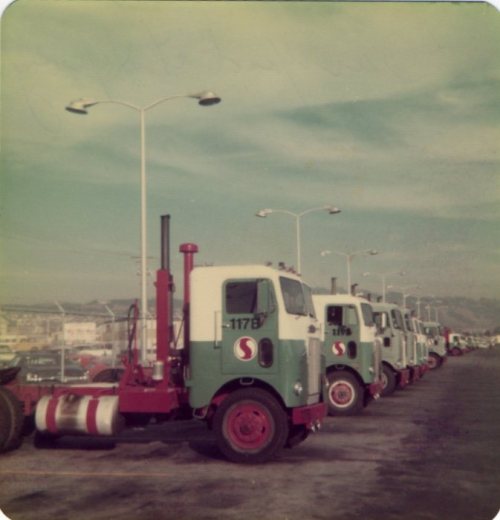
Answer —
6 355
47 367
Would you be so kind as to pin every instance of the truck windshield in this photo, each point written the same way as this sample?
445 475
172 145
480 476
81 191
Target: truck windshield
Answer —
297 297
408 323
367 311
309 300
431 331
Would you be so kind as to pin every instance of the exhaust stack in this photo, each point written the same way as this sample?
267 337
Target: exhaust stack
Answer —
164 307
188 250
333 285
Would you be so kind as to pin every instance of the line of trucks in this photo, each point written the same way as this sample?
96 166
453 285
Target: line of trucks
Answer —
263 362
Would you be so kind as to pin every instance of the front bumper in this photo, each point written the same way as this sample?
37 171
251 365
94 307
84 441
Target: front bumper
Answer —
424 367
375 389
404 377
415 373
311 415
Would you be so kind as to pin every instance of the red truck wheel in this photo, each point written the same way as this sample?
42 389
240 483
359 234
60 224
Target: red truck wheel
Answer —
434 361
345 394
12 420
250 426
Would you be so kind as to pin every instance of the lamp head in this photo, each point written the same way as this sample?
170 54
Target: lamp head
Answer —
206 98
332 210
263 213
80 106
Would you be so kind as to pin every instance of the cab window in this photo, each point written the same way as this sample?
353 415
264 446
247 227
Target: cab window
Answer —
337 315
293 295
241 297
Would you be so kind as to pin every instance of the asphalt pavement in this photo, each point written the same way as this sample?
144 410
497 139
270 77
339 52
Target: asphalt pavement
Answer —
429 452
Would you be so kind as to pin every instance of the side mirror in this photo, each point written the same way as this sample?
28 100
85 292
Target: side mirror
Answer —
383 321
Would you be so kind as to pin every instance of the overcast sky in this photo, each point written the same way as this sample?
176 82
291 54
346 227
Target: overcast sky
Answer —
389 111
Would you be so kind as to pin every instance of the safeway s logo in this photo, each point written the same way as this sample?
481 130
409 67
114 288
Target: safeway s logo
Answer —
245 348
338 348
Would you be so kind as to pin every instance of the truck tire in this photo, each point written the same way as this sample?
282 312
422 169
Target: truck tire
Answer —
345 393
388 381
434 361
298 433
12 420
250 426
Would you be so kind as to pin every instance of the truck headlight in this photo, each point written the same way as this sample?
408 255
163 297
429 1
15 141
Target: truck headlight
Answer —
298 388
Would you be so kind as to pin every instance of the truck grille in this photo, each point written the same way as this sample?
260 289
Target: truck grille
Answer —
314 365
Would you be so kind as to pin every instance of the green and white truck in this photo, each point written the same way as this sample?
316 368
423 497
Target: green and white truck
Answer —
352 352
390 325
437 343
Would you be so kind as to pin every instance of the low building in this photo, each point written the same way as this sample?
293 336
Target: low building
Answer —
76 333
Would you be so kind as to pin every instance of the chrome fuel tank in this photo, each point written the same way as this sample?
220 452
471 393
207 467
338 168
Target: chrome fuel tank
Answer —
72 413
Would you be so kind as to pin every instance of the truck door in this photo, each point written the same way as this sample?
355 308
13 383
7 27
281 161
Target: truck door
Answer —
341 333
249 328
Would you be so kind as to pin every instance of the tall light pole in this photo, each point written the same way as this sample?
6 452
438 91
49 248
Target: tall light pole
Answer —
404 293
436 310
63 345
383 278
419 303
332 210
349 257
80 106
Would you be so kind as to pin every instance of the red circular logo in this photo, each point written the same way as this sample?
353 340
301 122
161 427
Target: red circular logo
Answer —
245 348
338 348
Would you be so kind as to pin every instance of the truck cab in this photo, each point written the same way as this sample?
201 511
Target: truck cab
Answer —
457 344
411 345
422 346
253 323
437 343
352 352
390 325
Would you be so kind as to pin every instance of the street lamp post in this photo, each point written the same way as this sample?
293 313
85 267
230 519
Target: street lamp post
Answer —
436 310
349 257
404 293
419 303
332 210
80 106
383 277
